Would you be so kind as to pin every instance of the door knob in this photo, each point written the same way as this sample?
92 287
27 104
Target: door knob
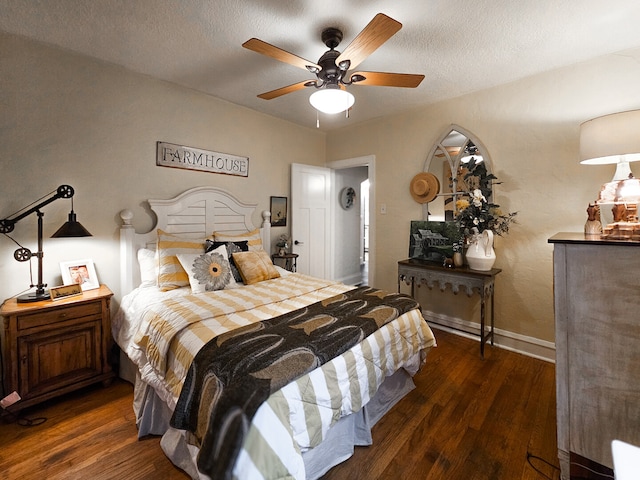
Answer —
296 242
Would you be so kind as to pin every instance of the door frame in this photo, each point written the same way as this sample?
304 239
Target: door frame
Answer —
368 161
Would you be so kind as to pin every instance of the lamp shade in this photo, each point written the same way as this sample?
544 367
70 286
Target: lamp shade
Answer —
331 100
71 228
611 139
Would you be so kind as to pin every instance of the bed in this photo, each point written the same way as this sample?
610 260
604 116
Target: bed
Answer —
168 324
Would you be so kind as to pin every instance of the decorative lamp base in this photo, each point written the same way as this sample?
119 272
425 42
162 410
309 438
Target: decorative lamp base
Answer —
33 297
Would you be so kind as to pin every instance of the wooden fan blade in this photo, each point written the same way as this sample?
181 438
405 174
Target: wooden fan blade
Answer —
283 91
378 31
269 50
382 79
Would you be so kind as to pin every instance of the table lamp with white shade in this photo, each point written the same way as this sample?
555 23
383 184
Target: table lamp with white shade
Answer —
615 139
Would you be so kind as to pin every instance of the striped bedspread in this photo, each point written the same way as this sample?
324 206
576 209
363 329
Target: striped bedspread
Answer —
162 333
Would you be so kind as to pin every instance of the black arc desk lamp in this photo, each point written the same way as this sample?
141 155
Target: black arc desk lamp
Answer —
71 228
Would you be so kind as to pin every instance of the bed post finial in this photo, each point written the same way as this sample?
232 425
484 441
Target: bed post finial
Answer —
266 230
126 215
127 253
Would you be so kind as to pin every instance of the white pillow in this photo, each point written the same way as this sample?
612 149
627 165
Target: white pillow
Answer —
148 262
208 271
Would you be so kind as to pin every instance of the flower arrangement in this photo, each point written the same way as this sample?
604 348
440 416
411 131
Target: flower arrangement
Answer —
476 214
282 244
283 241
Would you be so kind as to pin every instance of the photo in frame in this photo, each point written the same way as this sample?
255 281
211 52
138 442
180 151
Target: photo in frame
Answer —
80 272
278 211
433 241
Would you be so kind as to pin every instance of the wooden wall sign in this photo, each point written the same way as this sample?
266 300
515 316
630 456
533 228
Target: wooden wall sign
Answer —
179 156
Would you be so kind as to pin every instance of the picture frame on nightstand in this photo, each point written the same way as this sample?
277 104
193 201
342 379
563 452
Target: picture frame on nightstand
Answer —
81 272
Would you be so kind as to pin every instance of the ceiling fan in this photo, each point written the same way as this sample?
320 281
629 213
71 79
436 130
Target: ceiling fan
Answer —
332 69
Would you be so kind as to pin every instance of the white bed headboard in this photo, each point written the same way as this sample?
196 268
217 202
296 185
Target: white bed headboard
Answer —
196 213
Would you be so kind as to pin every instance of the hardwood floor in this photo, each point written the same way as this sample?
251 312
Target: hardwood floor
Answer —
467 419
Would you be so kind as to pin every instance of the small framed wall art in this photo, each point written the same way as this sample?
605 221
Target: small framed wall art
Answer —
278 211
81 272
347 198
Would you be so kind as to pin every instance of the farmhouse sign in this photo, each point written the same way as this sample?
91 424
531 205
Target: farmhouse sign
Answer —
179 156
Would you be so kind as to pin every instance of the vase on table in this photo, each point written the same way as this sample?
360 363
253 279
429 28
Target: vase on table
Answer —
480 254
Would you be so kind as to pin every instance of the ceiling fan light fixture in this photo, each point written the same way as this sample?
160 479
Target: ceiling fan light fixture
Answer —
331 100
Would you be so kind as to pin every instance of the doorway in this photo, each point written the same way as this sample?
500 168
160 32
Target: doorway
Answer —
364 231
365 240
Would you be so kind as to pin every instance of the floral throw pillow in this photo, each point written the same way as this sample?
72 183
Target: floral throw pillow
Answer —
208 271
232 247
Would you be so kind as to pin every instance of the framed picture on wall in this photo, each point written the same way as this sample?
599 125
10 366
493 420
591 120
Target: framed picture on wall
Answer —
278 211
347 198
80 272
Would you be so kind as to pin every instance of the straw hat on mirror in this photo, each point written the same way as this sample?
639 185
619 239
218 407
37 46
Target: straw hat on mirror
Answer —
424 187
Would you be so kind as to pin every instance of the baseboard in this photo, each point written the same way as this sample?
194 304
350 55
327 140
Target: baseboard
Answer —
530 346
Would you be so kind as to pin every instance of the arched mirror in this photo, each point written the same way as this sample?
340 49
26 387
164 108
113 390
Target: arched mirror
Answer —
448 160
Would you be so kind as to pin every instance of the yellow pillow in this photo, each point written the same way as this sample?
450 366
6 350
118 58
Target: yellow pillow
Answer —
171 275
253 238
255 266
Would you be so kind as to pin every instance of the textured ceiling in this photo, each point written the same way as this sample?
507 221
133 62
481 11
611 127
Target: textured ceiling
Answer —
459 45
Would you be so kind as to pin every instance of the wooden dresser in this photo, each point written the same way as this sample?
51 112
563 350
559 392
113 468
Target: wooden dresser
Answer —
597 319
51 348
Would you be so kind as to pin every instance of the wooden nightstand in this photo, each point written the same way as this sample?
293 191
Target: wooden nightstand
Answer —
51 348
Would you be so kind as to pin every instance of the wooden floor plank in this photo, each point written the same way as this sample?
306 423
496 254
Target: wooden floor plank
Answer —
467 419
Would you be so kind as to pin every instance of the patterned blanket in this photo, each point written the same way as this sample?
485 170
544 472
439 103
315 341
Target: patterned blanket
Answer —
236 372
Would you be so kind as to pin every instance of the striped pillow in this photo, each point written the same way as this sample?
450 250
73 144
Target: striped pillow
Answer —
253 238
171 275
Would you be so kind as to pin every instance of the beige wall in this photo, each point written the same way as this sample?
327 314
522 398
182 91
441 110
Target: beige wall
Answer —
531 130
66 119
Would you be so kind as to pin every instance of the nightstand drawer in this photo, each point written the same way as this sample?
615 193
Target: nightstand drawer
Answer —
58 315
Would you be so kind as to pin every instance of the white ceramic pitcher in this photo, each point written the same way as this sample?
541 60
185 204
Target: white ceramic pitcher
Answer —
480 254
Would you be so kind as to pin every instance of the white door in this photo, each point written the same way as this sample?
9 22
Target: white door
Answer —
311 219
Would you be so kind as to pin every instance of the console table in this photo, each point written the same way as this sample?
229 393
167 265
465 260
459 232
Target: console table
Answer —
413 271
